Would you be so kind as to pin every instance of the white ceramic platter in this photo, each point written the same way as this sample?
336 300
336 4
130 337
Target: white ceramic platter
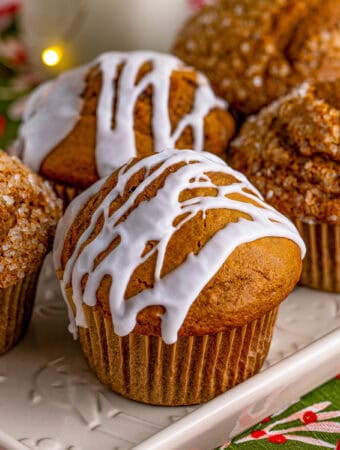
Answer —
49 400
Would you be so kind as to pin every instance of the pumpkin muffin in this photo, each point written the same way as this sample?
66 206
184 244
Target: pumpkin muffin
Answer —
173 269
93 119
254 51
29 212
291 152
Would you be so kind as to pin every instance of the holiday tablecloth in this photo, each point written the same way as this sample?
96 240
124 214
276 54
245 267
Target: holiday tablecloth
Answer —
314 422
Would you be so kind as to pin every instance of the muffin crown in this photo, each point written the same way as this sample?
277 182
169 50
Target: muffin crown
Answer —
29 212
112 94
291 152
254 51
127 239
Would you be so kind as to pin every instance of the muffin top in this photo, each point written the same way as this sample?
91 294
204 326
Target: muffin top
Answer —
29 213
291 152
254 51
91 120
176 243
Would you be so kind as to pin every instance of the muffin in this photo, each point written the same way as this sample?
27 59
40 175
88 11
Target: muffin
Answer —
91 120
291 152
173 269
29 212
254 51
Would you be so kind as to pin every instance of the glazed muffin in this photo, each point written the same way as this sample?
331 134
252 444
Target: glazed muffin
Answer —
173 269
254 51
93 119
29 212
291 152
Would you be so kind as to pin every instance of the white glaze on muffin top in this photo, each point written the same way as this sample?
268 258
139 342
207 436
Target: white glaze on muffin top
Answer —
54 109
153 220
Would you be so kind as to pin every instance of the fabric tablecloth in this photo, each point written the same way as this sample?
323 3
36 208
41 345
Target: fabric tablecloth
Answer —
313 422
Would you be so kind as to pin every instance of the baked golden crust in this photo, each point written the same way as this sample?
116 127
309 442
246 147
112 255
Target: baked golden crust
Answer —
254 51
291 152
255 278
73 160
315 49
29 212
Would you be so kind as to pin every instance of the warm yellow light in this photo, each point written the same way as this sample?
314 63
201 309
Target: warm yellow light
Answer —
51 56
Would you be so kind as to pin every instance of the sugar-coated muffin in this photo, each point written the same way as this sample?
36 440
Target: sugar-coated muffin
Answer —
254 51
291 152
173 269
29 212
93 119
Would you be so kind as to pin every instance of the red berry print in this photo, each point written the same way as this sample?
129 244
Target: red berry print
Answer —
337 447
309 417
257 434
266 420
277 439
2 125
337 376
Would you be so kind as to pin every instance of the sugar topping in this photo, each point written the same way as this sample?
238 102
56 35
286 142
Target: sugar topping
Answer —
255 51
291 152
29 212
56 106
157 220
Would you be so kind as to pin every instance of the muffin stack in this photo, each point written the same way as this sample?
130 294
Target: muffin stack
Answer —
172 264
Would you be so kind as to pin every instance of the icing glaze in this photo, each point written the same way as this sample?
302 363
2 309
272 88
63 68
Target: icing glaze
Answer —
56 107
50 115
153 220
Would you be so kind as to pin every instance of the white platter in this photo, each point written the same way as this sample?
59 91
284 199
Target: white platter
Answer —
49 400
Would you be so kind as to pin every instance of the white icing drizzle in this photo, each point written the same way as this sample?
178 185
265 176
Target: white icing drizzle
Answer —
54 109
51 114
153 220
63 226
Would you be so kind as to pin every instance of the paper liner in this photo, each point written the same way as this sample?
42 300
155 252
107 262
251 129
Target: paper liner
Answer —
65 192
16 304
321 266
193 370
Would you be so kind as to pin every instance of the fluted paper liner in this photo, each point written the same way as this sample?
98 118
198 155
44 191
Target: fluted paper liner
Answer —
16 304
193 370
65 192
321 266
